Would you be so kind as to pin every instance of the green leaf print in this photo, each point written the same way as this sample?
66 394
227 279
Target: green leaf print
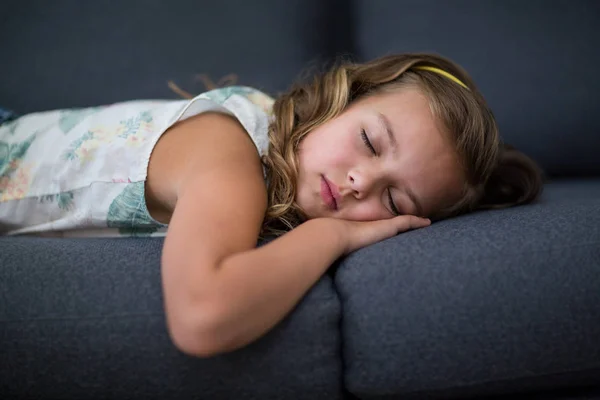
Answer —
64 200
70 118
132 125
10 153
128 212
4 149
222 94
70 154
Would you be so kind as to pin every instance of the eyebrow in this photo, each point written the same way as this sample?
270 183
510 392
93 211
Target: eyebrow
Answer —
385 123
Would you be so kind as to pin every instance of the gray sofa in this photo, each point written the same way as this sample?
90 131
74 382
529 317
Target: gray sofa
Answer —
497 304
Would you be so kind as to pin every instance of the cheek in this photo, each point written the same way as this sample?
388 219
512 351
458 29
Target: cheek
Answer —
342 152
327 157
325 153
366 211
445 189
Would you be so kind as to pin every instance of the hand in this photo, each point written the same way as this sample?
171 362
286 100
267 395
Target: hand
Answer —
359 234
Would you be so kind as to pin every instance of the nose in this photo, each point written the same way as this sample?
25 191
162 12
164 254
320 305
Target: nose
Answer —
361 183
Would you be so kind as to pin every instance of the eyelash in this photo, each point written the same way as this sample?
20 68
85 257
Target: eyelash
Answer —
365 139
367 142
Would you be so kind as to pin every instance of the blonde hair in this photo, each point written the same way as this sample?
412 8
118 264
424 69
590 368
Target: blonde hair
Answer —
497 175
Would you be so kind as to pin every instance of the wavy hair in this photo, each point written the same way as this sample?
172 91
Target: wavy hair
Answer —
497 175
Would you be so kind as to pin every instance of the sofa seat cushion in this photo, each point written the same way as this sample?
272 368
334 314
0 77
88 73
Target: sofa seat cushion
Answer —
83 319
491 302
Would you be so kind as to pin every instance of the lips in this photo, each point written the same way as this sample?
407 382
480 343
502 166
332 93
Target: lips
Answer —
329 194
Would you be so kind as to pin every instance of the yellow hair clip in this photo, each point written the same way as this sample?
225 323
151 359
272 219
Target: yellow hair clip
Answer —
443 73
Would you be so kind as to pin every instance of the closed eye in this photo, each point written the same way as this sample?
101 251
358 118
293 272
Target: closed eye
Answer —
392 205
367 142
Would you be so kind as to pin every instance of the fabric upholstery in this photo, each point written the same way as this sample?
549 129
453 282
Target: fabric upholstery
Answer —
532 60
70 53
496 301
83 319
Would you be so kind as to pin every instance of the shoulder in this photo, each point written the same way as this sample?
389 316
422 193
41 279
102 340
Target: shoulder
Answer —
251 107
198 146
254 96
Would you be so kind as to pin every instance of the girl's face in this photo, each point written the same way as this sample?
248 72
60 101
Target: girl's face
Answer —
384 156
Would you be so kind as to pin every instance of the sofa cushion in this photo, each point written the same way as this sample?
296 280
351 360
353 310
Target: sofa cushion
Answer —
71 53
487 303
83 319
533 61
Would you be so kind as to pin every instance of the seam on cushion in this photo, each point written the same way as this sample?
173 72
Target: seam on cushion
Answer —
341 350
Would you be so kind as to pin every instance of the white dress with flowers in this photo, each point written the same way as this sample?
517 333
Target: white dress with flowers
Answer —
81 172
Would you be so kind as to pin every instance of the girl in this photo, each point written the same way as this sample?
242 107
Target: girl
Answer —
358 155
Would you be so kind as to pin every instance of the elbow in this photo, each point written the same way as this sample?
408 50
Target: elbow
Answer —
191 344
199 321
197 333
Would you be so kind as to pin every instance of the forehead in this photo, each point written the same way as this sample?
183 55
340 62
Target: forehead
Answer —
427 158
404 101
409 112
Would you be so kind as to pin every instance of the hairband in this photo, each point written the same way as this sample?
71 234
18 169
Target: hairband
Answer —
443 73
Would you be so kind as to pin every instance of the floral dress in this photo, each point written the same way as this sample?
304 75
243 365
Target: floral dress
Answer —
81 172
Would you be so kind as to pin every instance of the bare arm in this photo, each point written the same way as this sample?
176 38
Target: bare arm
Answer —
249 292
221 292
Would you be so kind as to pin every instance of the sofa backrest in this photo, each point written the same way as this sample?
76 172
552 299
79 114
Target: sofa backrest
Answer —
72 53
535 61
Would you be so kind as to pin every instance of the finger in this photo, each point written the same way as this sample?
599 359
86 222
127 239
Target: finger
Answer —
412 222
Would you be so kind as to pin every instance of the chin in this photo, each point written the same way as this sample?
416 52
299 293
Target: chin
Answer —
309 215
312 214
